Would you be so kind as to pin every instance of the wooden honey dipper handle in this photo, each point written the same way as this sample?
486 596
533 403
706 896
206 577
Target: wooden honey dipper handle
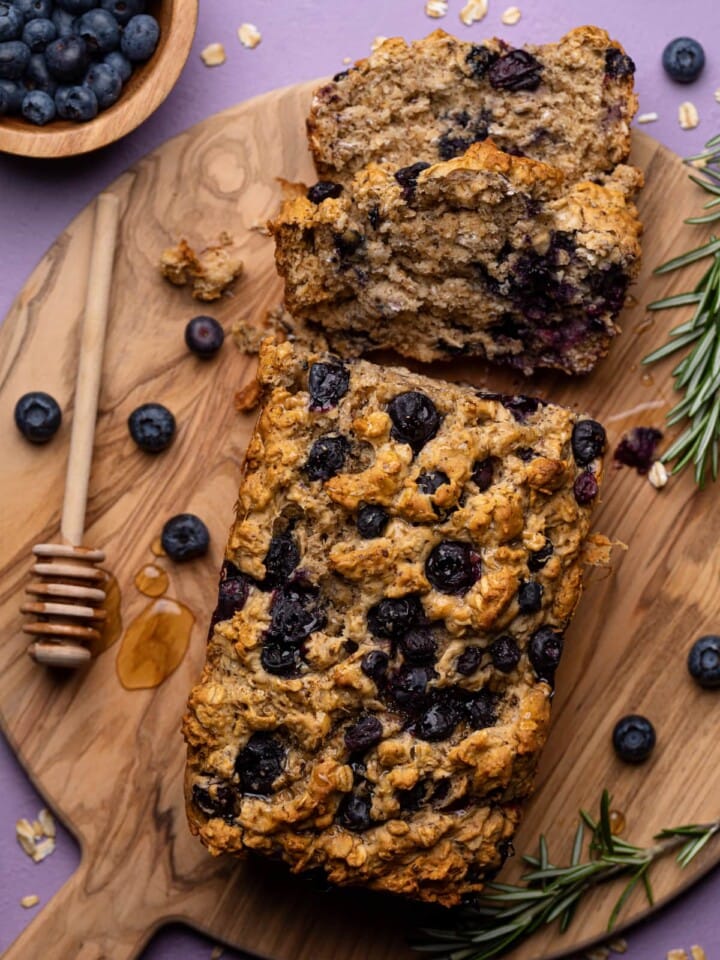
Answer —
87 388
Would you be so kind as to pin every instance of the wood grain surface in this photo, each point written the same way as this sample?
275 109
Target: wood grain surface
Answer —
110 760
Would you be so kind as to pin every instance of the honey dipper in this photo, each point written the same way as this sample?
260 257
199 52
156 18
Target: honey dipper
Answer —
70 595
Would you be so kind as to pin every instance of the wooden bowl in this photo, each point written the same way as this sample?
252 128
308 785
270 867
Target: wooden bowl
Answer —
143 93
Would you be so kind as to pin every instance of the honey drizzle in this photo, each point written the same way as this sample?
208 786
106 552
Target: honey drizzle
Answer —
154 644
151 580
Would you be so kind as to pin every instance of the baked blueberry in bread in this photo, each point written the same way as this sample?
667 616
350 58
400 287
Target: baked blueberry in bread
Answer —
405 558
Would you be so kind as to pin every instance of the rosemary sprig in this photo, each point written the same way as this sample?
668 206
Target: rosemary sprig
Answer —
509 913
697 375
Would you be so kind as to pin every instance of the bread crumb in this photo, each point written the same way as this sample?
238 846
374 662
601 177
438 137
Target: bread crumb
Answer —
217 952
511 16
436 8
647 117
261 226
618 945
658 475
473 11
31 900
249 35
213 55
697 953
688 115
247 398
377 43
210 272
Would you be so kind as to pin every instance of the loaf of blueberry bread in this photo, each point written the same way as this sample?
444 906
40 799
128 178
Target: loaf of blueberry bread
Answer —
405 558
569 104
486 254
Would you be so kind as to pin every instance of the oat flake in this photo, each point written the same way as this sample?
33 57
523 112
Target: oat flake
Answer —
473 11
688 115
618 946
377 42
47 821
436 8
697 953
676 955
347 60
658 475
249 35
717 94
600 953
43 849
647 117
213 55
217 952
511 16
31 900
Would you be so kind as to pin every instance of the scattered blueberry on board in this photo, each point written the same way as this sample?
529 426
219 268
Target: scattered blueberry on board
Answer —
38 416
633 738
683 59
185 537
704 661
69 59
204 336
152 427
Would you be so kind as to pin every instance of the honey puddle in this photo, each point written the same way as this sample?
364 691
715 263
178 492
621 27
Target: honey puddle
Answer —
112 626
151 580
154 644
156 547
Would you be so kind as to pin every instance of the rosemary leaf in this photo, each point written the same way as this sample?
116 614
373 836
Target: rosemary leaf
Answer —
690 257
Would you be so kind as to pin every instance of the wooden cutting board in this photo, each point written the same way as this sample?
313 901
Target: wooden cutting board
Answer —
110 761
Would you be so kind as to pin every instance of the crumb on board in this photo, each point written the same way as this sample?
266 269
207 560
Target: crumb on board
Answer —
688 115
213 55
658 475
31 900
511 16
436 8
261 226
209 272
249 35
650 117
248 397
377 42
473 11
597 550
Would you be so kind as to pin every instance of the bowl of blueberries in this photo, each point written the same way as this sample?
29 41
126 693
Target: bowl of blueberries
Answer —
76 75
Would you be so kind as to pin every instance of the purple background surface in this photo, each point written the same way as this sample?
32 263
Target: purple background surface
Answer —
302 39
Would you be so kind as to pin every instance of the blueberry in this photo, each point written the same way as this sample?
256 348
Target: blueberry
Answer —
347 242
431 481
100 31
152 427
120 64
76 103
394 616
363 734
525 453
260 763
76 7
326 457
4 102
203 335
281 559
232 592
482 709
546 647
37 34
637 448
37 77
452 566
407 178
440 719
341 76
480 59
419 646
415 419
34 9
505 654
13 94
354 813
11 22
374 665
633 738
37 416
587 441
327 383
280 659
14 58
38 107
105 82
140 37
538 558
704 661
64 22
216 799
469 660
530 596
408 687
683 59
324 190
520 406
482 474
516 70
618 65
67 58
372 520
294 616
185 537
585 488
123 10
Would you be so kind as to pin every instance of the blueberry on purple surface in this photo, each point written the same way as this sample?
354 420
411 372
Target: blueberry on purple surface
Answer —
214 799
38 416
587 441
538 558
140 37
545 651
482 475
637 448
430 481
415 419
14 58
585 488
452 567
372 520
407 178
704 661
326 457
123 10
354 813
260 763
121 65
418 645
364 733
374 664
324 190
408 687
34 9
152 427
204 336
469 660
480 59
38 107
185 537
394 616
11 22
37 34
683 59
105 82
67 58
328 383
515 70
481 709
633 738
505 654
232 592
440 719
530 596
618 65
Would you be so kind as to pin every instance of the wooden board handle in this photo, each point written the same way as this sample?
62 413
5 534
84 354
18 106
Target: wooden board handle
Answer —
92 346
85 920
